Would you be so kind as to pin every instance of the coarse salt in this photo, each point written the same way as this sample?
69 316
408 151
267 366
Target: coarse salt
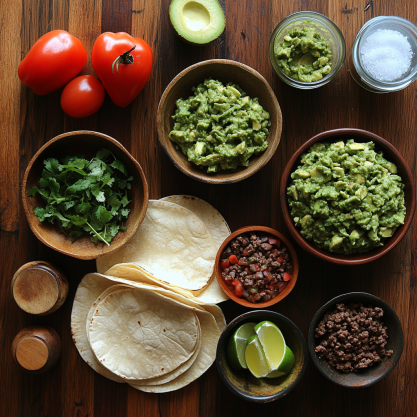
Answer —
386 54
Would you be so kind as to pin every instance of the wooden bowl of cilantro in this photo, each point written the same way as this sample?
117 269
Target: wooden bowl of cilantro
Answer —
84 195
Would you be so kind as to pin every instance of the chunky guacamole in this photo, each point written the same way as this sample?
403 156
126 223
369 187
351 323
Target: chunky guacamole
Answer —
304 54
220 127
345 197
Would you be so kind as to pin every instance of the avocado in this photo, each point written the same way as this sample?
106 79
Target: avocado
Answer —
197 22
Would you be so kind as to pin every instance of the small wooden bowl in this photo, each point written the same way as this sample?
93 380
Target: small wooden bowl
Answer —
85 143
36 349
281 295
392 155
376 372
262 390
39 288
224 70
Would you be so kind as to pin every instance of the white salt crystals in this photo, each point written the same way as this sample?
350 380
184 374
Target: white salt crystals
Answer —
386 54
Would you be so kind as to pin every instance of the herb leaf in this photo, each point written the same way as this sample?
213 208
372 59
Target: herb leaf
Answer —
85 195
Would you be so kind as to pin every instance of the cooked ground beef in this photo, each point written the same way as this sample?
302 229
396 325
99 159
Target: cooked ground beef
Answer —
256 267
352 337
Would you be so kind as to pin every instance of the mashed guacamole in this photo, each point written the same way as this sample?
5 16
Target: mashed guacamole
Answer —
220 127
304 55
345 197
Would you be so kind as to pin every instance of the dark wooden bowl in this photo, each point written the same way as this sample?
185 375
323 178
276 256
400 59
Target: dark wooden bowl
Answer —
83 143
281 295
392 155
376 372
225 71
262 390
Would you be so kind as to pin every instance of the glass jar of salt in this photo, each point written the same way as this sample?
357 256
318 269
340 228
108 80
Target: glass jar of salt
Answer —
384 54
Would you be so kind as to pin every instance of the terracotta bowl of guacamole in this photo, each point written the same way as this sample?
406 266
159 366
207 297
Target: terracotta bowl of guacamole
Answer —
344 201
232 134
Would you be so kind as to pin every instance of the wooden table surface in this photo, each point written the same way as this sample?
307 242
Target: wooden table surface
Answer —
27 121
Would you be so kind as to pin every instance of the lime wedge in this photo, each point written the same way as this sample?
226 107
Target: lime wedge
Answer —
278 355
255 358
237 345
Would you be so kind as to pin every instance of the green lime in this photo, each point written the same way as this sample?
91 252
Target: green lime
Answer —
278 355
237 345
286 364
255 358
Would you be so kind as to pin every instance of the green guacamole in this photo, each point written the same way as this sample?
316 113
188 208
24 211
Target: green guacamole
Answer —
304 55
220 127
346 198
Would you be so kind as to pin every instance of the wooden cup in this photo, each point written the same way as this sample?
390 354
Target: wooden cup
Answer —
36 349
39 288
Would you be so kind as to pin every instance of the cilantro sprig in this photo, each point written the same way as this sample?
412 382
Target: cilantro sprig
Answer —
85 196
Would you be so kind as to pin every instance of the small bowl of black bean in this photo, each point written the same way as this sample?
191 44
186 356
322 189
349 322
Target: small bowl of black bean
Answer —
256 266
355 340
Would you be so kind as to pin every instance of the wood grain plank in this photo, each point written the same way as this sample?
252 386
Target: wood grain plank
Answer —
145 146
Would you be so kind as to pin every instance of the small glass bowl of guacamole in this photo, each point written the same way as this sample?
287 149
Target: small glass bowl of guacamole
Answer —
307 50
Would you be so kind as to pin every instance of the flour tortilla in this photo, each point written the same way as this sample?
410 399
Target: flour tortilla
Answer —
219 231
173 244
102 296
170 376
151 381
133 274
210 336
90 287
140 334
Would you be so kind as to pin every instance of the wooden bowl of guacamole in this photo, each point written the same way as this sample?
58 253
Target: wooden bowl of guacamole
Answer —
345 202
234 132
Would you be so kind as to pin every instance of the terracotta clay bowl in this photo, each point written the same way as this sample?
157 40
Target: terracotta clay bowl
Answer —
392 155
284 243
262 390
85 143
375 373
224 70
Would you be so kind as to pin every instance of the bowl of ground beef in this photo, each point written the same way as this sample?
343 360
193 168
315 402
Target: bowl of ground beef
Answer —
256 266
355 340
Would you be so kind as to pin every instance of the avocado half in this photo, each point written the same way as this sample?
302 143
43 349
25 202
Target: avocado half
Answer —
197 21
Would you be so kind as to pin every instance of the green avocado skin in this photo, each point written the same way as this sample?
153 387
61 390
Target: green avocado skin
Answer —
345 197
189 40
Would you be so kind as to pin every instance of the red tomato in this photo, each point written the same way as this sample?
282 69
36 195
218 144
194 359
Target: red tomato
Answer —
286 277
123 64
233 259
55 58
82 97
239 290
225 264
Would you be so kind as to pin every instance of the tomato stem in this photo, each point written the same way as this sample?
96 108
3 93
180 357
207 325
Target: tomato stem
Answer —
126 58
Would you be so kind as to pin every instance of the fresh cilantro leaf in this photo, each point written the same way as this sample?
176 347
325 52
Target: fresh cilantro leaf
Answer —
52 165
83 208
84 196
120 166
103 154
99 195
103 215
125 201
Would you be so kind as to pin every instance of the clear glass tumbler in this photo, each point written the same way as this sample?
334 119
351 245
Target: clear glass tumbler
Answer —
359 72
325 27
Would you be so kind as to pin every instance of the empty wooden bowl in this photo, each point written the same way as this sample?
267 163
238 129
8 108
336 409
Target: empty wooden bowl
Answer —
39 288
375 373
262 390
85 143
225 71
392 155
36 349
281 295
